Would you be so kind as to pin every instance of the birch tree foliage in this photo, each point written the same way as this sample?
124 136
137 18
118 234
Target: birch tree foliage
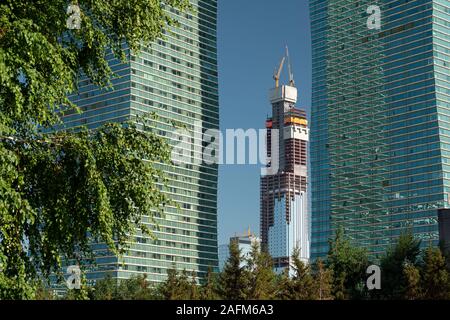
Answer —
59 190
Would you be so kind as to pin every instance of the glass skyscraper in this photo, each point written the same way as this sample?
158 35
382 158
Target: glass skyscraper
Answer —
380 131
176 78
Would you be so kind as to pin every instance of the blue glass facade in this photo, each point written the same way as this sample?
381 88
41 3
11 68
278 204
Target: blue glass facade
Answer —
176 77
380 122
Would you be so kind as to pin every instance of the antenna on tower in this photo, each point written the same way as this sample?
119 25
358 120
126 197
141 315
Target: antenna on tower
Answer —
291 74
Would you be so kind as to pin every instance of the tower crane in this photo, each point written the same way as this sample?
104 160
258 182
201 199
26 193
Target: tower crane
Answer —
277 74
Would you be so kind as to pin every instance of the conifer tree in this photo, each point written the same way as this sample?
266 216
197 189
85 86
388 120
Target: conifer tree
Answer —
233 281
135 288
105 289
194 291
208 290
284 286
185 288
43 292
435 276
169 289
411 274
261 274
349 266
323 278
302 280
393 280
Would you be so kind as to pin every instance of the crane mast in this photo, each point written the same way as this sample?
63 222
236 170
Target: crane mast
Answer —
291 74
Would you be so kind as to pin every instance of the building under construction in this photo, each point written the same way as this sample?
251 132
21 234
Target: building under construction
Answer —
285 222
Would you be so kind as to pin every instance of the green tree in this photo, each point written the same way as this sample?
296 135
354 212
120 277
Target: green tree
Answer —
234 279
393 280
105 289
194 288
302 280
178 286
169 289
208 290
323 280
261 275
58 191
411 289
83 293
284 286
435 276
43 292
348 265
134 288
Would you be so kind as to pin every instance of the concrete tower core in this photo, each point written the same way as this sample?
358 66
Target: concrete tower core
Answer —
284 201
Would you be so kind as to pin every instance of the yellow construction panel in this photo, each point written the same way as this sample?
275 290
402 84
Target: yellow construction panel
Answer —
296 120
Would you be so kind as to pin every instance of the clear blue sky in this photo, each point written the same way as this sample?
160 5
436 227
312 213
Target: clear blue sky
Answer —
252 35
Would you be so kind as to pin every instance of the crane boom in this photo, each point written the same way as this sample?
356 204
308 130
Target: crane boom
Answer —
291 74
277 74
